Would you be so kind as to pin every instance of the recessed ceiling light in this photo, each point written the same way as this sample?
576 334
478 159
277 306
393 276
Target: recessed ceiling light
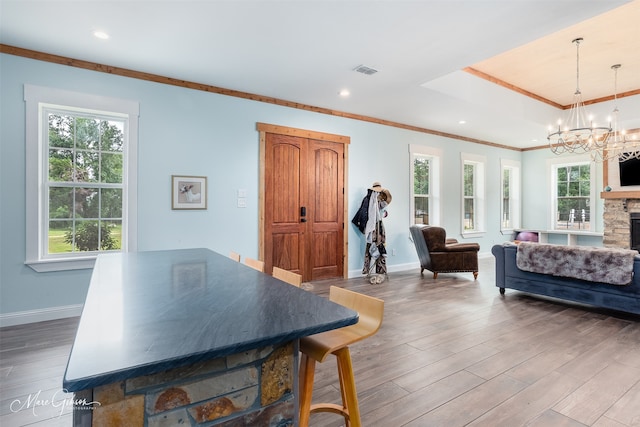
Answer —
101 35
344 93
461 122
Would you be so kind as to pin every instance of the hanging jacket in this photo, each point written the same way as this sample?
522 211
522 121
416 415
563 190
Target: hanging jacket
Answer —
373 216
361 217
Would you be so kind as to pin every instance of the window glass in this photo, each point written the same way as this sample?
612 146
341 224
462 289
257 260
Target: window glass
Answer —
473 194
425 184
573 197
85 182
421 172
469 197
510 202
506 201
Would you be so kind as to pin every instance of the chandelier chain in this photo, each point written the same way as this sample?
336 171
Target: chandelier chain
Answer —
577 42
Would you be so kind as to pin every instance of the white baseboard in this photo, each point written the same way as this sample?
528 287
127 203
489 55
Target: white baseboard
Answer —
390 269
41 315
408 266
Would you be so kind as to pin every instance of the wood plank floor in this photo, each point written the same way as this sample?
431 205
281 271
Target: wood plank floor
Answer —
451 352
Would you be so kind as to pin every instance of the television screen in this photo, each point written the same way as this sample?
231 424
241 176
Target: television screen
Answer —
630 172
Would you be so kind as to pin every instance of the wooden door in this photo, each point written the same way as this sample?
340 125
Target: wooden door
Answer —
304 206
325 226
284 195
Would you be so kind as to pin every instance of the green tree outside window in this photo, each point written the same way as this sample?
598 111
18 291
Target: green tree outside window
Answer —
573 197
85 183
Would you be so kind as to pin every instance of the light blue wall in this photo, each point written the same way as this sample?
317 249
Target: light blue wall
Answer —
190 132
536 190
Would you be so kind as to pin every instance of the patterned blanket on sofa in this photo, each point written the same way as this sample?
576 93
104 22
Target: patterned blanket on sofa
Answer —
602 265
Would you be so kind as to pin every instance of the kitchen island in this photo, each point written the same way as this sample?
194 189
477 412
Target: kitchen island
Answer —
191 337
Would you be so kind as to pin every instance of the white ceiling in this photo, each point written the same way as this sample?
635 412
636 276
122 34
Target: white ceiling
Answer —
305 51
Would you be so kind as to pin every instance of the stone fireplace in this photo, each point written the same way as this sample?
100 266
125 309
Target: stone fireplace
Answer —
620 203
617 222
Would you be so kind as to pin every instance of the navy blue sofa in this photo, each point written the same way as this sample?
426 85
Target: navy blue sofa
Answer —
623 298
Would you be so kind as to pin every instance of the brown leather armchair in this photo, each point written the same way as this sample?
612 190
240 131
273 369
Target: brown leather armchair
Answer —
441 255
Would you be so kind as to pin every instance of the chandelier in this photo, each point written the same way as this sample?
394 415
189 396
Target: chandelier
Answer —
585 136
620 146
631 149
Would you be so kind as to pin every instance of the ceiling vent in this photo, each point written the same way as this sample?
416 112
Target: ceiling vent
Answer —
365 70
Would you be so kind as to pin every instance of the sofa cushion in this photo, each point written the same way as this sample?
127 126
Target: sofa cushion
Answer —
594 264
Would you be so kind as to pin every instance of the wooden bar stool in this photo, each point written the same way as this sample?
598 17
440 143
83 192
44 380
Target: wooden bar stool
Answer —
316 348
255 264
287 276
234 256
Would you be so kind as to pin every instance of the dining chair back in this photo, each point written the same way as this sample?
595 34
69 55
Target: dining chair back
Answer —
287 276
254 263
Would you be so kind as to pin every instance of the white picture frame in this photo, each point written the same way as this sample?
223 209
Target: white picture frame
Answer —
188 192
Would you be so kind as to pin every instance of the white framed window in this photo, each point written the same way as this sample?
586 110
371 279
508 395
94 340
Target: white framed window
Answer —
510 202
473 194
81 177
425 184
573 194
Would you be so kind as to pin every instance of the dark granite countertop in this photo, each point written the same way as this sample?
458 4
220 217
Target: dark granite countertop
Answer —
146 312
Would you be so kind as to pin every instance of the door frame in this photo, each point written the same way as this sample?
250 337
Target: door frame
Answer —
264 129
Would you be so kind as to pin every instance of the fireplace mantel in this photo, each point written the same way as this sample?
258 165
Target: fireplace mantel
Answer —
620 195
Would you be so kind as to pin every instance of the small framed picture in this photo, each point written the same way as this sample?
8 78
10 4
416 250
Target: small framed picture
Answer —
188 192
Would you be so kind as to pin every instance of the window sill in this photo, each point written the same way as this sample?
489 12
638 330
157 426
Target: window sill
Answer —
44 266
473 234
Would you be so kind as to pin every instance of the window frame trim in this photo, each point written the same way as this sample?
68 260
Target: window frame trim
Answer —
36 98
480 195
435 156
517 203
552 166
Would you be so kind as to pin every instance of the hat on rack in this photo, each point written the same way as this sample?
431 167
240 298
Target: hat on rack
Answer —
385 195
376 186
